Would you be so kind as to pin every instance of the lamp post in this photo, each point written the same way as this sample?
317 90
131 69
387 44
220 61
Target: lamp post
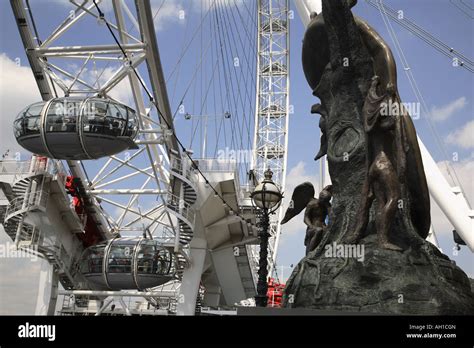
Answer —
267 198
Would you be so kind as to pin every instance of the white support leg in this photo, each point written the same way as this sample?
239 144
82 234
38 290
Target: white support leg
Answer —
450 200
192 278
432 237
47 290
306 7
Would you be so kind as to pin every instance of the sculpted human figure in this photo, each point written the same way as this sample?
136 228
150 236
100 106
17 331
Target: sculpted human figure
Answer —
317 210
382 181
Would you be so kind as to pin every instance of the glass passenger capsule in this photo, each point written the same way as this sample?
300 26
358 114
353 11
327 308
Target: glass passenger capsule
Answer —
76 128
127 263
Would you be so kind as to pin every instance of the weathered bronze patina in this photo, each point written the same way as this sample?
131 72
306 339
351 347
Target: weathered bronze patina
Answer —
400 156
317 210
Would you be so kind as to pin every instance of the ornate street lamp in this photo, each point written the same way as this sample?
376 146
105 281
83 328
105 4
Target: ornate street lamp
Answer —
267 198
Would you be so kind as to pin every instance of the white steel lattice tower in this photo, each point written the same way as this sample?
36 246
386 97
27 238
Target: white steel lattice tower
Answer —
272 104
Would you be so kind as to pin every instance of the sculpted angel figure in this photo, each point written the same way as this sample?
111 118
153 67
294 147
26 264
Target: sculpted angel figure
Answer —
317 210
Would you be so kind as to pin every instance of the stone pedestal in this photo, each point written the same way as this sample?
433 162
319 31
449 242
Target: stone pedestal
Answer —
419 280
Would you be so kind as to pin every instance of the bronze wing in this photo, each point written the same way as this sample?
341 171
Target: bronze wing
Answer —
302 194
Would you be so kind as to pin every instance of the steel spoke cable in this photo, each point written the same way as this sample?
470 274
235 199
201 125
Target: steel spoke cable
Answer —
419 96
226 82
197 31
176 79
418 31
249 71
165 121
229 67
467 5
461 9
425 36
239 77
222 124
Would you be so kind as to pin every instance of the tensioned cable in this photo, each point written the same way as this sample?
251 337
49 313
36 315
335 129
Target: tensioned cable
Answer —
421 33
235 83
183 149
461 9
203 110
226 80
198 29
253 71
252 76
417 92
179 67
222 124
251 66
467 5
250 70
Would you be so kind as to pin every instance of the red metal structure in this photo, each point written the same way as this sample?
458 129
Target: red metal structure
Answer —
274 293
91 234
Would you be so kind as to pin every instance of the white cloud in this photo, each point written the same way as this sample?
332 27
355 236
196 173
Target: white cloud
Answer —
18 89
172 11
446 111
121 92
463 137
167 12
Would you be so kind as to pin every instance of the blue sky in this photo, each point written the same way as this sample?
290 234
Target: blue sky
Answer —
448 91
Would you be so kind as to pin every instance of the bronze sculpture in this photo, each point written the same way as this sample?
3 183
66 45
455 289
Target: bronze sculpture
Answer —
323 149
374 161
382 181
404 150
317 210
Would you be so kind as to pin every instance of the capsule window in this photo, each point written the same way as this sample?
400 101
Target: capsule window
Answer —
132 128
116 117
163 265
120 259
62 139
62 116
94 115
101 117
146 262
92 262
28 121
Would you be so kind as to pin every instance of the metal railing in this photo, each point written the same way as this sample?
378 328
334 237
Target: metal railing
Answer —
179 206
167 235
216 165
56 168
34 199
27 236
178 166
14 167
41 166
